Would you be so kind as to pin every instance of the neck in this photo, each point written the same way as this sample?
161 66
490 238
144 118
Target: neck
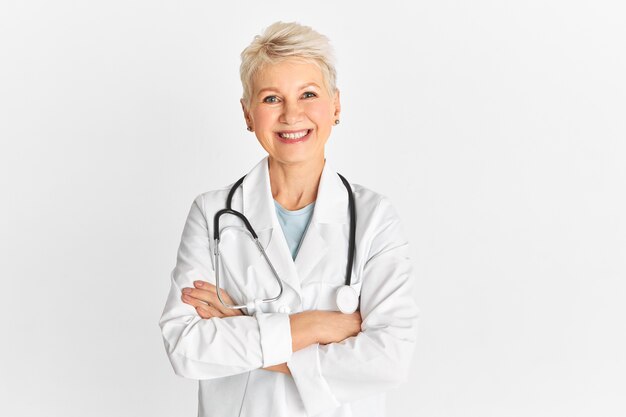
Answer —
295 185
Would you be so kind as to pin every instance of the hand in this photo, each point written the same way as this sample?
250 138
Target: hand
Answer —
336 326
315 326
204 298
324 327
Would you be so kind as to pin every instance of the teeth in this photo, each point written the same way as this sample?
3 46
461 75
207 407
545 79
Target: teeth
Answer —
296 135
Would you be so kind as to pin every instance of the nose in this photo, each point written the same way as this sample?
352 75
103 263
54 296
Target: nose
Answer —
292 112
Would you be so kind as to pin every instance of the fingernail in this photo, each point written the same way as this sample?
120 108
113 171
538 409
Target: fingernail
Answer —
186 290
198 283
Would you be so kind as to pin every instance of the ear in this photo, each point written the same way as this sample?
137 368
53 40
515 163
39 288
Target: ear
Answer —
337 105
246 114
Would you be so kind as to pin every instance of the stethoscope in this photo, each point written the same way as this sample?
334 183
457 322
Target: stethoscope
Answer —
346 296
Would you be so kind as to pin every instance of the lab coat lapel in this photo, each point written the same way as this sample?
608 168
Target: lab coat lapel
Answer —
330 212
258 207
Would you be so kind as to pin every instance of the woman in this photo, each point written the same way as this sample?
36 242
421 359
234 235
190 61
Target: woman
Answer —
299 355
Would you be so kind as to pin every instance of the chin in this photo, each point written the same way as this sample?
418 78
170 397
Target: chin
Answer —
291 158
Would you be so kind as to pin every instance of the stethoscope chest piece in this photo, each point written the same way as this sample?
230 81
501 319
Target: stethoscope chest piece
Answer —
347 299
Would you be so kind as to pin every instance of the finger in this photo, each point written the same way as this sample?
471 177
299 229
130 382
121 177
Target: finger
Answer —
213 289
203 313
203 295
209 296
204 310
198 298
208 292
204 285
207 311
192 301
226 311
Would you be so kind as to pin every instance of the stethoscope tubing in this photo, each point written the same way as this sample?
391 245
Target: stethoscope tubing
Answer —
352 238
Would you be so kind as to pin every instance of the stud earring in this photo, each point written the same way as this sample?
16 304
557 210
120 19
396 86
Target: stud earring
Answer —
249 128
336 121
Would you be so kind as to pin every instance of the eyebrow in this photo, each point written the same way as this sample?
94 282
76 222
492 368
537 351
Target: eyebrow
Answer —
300 88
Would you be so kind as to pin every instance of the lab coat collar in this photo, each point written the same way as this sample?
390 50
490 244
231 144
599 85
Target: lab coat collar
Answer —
331 205
258 203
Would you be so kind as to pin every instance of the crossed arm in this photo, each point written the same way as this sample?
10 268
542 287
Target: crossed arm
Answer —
307 328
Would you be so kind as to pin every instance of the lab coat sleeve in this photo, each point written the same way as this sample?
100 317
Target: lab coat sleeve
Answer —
379 357
212 348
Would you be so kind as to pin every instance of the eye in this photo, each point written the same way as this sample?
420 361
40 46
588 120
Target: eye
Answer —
309 94
270 99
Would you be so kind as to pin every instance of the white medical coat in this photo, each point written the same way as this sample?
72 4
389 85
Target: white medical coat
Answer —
225 354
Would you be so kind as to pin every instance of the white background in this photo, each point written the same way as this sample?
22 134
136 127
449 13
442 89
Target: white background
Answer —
497 128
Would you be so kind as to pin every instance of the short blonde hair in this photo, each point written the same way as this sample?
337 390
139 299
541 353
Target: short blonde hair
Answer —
281 41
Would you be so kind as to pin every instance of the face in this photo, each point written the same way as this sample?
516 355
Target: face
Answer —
291 111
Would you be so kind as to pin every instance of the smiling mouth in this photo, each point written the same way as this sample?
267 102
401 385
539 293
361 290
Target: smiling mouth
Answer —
294 136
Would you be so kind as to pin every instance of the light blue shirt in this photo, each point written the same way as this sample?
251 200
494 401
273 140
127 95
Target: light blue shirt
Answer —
294 224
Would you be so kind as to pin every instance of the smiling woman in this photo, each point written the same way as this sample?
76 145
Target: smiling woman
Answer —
279 336
291 112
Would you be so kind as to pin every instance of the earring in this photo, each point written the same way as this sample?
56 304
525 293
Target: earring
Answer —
249 128
336 121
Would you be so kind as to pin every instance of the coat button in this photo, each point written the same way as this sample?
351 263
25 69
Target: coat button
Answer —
285 309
